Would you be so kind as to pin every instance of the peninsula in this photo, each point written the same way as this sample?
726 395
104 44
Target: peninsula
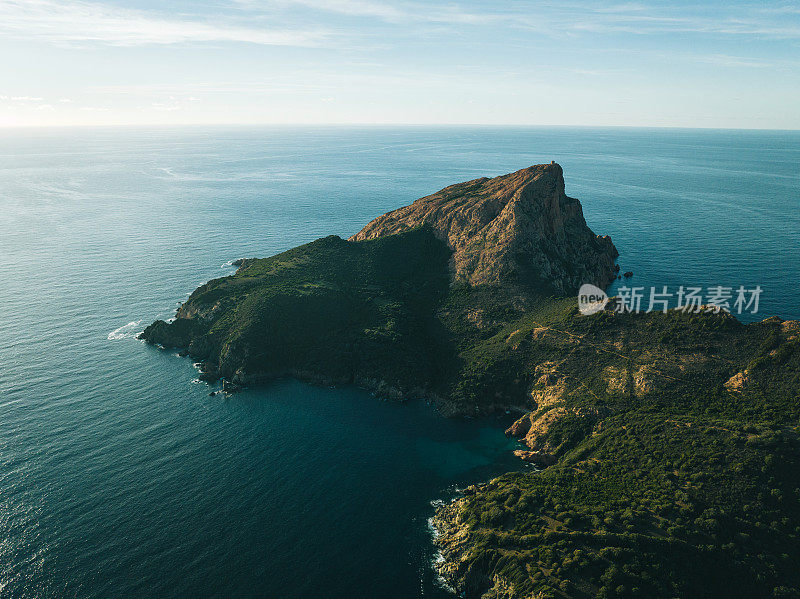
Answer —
667 443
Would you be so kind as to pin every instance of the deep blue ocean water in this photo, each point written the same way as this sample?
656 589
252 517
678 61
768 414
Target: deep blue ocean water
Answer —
120 476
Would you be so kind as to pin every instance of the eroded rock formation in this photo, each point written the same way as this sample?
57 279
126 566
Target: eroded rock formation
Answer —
518 228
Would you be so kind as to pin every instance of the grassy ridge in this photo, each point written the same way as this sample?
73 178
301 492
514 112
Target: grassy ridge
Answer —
336 310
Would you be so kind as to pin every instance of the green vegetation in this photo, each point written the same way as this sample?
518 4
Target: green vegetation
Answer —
676 435
647 506
330 310
687 488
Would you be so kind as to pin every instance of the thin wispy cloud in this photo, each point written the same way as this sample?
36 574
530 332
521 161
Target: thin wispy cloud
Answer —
565 18
265 22
77 21
725 60
381 10
220 87
639 19
399 13
173 103
15 102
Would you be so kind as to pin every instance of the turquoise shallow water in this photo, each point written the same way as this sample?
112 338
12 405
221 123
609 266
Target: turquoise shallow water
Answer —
119 476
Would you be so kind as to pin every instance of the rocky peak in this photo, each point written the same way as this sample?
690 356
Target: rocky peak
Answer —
518 228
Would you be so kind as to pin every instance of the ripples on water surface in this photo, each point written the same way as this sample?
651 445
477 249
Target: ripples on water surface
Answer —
119 476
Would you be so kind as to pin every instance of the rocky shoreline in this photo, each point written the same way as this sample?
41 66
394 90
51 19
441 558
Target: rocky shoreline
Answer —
454 543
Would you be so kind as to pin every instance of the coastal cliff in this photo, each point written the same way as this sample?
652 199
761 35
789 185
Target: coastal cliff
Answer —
666 445
518 228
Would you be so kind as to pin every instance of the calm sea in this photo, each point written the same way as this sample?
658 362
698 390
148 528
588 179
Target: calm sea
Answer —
120 476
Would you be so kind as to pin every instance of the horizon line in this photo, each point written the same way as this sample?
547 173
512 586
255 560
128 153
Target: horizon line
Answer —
385 124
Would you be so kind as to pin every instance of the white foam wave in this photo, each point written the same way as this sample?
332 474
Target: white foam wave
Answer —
126 330
437 560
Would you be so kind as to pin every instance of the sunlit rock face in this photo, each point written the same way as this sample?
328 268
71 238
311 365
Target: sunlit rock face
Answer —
518 228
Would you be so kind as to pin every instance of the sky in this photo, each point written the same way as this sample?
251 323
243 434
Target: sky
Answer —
140 62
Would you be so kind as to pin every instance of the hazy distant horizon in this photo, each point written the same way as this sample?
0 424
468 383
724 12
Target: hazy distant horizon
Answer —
396 125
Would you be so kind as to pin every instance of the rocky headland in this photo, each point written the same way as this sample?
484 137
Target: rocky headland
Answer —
519 228
666 444
392 289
